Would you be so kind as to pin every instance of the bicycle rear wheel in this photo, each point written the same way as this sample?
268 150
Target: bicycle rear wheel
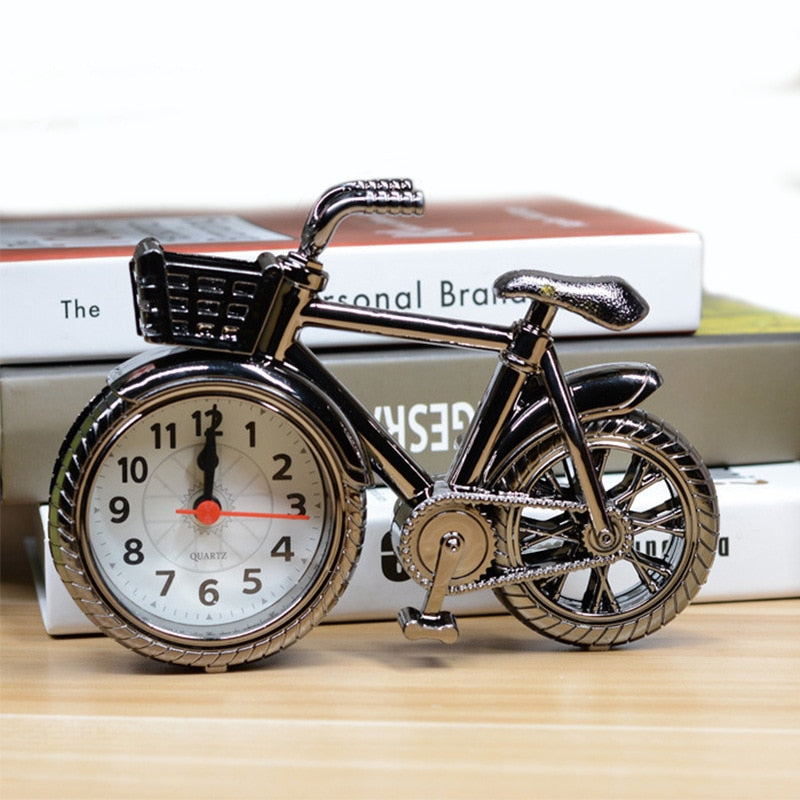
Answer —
658 491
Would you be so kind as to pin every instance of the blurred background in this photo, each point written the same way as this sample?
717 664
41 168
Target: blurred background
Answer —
685 111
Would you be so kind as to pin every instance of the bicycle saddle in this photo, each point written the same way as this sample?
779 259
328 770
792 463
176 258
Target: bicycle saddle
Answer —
605 300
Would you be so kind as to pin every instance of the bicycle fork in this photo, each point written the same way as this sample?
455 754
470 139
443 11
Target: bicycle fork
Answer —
600 537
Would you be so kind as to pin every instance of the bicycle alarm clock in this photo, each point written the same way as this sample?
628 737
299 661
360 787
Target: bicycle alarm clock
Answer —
208 506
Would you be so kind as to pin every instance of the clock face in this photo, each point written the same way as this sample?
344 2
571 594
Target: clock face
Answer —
207 517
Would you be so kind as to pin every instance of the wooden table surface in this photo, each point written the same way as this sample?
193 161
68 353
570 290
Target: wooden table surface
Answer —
707 707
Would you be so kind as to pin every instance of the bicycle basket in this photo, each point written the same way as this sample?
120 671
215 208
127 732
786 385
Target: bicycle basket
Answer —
200 301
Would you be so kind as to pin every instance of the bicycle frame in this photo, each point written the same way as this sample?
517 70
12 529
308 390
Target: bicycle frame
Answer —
287 287
525 349
394 465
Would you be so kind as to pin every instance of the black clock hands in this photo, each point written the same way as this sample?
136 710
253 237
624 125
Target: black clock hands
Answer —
208 461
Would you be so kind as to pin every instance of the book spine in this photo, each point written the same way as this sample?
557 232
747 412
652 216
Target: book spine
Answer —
425 398
81 309
758 556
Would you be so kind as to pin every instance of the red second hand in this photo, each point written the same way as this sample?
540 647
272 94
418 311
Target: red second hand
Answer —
209 511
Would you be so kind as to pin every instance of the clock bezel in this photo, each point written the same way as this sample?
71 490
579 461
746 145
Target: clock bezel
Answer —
102 424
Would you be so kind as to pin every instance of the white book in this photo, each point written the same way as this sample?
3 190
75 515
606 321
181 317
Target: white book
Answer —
758 557
65 289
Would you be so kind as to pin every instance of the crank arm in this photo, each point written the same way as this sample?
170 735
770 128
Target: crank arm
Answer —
432 622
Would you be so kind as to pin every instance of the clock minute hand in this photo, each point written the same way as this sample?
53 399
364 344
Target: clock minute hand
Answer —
208 512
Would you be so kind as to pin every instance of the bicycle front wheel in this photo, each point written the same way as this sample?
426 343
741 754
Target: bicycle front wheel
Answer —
657 489
209 524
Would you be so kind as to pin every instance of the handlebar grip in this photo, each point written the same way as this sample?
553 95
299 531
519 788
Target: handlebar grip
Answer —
384 185
394 201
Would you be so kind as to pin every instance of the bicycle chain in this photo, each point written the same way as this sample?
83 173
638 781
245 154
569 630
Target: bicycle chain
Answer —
525 574
519 574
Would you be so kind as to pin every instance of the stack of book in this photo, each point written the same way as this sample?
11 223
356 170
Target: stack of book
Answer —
731 371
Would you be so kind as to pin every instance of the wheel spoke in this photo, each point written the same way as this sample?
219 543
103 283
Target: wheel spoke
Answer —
550 551
651 563
548 485
600 461
561 527
599 596
645 567
640 476
656 519
553 587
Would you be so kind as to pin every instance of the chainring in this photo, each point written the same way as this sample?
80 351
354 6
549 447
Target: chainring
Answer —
422 528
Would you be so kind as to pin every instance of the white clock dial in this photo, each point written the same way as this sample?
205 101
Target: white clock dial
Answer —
206 516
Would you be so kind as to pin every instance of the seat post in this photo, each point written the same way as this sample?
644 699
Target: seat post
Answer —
521 359
539 315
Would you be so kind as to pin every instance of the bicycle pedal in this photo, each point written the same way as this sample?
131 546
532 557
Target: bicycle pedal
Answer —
441 627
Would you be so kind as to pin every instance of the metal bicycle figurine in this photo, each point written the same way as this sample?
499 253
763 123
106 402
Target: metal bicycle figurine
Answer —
208 506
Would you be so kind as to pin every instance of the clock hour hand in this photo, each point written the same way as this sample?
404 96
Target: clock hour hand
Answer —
208 460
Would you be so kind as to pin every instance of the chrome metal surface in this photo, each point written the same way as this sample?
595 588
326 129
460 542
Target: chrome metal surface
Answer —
151 372
521 575
655 486
441 627
419 532
447 560
432 622
529 504
599 391
495 411
392 196
388 459
600 537
112 600
608 301
405 325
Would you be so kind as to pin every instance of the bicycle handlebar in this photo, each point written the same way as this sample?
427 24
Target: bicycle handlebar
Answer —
382 196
